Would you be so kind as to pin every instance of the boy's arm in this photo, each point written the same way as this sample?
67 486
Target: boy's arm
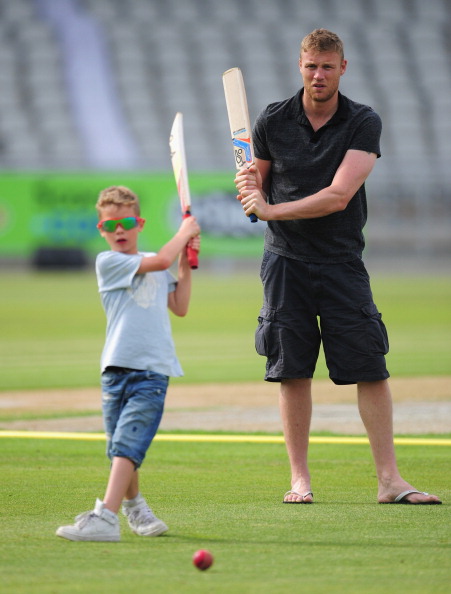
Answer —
169 252
178 300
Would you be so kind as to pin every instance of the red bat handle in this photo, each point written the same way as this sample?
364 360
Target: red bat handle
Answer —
191 252
192 258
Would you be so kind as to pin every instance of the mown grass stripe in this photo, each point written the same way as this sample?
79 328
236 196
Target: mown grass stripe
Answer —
219 438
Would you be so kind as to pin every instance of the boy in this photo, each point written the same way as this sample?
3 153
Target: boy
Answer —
138 357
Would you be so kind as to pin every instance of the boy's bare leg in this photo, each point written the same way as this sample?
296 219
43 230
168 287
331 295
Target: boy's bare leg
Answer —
133 489
295 403
120 483
376 411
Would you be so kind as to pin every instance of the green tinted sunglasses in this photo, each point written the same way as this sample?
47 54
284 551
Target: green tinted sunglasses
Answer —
126 223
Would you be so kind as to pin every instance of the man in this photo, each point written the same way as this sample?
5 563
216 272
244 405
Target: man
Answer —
314 152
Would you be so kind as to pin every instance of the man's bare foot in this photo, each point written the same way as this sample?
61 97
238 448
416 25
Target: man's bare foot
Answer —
408 495
296 497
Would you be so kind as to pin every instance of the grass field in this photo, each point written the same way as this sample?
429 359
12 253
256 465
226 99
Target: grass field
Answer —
53 328
225 497
212 496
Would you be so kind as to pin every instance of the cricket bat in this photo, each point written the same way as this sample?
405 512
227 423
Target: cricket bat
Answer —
178 158
240 126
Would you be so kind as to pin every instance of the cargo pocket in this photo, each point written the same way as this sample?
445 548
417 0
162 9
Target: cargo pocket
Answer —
377 337
264 331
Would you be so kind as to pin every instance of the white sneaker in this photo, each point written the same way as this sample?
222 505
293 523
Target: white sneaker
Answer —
141 518
100 525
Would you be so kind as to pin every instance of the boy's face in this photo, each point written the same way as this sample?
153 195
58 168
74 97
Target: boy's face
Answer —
121 240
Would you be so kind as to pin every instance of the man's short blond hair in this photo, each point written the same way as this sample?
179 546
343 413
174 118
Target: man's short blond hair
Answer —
117 196
322 40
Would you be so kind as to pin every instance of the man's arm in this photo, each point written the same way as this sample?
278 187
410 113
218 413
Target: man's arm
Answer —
349 177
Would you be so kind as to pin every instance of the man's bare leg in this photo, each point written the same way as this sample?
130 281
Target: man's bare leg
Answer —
376 411
295 403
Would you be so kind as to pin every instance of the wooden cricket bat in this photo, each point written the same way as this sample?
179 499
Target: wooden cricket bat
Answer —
178 158
240 126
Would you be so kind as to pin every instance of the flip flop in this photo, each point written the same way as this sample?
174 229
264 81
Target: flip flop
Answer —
299 495
401 499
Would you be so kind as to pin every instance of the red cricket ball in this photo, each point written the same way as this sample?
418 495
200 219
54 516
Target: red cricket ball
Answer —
202 559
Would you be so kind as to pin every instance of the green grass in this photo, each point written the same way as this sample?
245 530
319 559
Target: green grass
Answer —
226 498
53 328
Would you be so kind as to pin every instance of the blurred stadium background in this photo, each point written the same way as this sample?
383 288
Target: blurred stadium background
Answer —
93 86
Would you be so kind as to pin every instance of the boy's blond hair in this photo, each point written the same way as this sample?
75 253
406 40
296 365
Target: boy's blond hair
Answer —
322 40
118 196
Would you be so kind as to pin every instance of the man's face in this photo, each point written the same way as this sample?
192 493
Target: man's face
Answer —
321 72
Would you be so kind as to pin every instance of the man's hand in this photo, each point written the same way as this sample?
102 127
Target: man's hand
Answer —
255 202
248 179
248 182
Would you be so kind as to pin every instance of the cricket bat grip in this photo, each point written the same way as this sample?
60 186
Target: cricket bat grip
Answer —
252 217
192 257
192 254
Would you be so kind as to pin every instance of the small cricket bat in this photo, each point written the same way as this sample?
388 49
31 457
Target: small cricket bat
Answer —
240 126
178 158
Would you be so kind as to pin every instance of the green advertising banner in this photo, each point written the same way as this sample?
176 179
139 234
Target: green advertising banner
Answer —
51 210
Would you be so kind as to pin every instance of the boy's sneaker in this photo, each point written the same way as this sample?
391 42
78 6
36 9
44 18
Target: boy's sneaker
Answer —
141 518
100 525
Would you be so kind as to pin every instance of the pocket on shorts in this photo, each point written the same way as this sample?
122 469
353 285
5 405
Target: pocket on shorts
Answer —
376 331
108 379
263 332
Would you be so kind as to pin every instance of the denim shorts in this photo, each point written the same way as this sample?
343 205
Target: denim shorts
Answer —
307 304
132 404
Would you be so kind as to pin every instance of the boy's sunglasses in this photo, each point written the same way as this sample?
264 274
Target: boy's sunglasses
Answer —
126 223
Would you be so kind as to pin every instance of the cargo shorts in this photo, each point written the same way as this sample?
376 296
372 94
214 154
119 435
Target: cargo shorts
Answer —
306 304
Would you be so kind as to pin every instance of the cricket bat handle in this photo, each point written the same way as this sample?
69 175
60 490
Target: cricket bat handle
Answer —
238 160
192 254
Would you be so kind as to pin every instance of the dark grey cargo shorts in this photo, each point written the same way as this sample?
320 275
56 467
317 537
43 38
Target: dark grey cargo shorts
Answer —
306 304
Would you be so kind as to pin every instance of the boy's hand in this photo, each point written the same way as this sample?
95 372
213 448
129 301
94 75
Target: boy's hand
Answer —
190 227
194 243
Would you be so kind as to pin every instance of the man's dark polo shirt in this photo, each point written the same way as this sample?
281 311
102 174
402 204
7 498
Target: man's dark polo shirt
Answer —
304 162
